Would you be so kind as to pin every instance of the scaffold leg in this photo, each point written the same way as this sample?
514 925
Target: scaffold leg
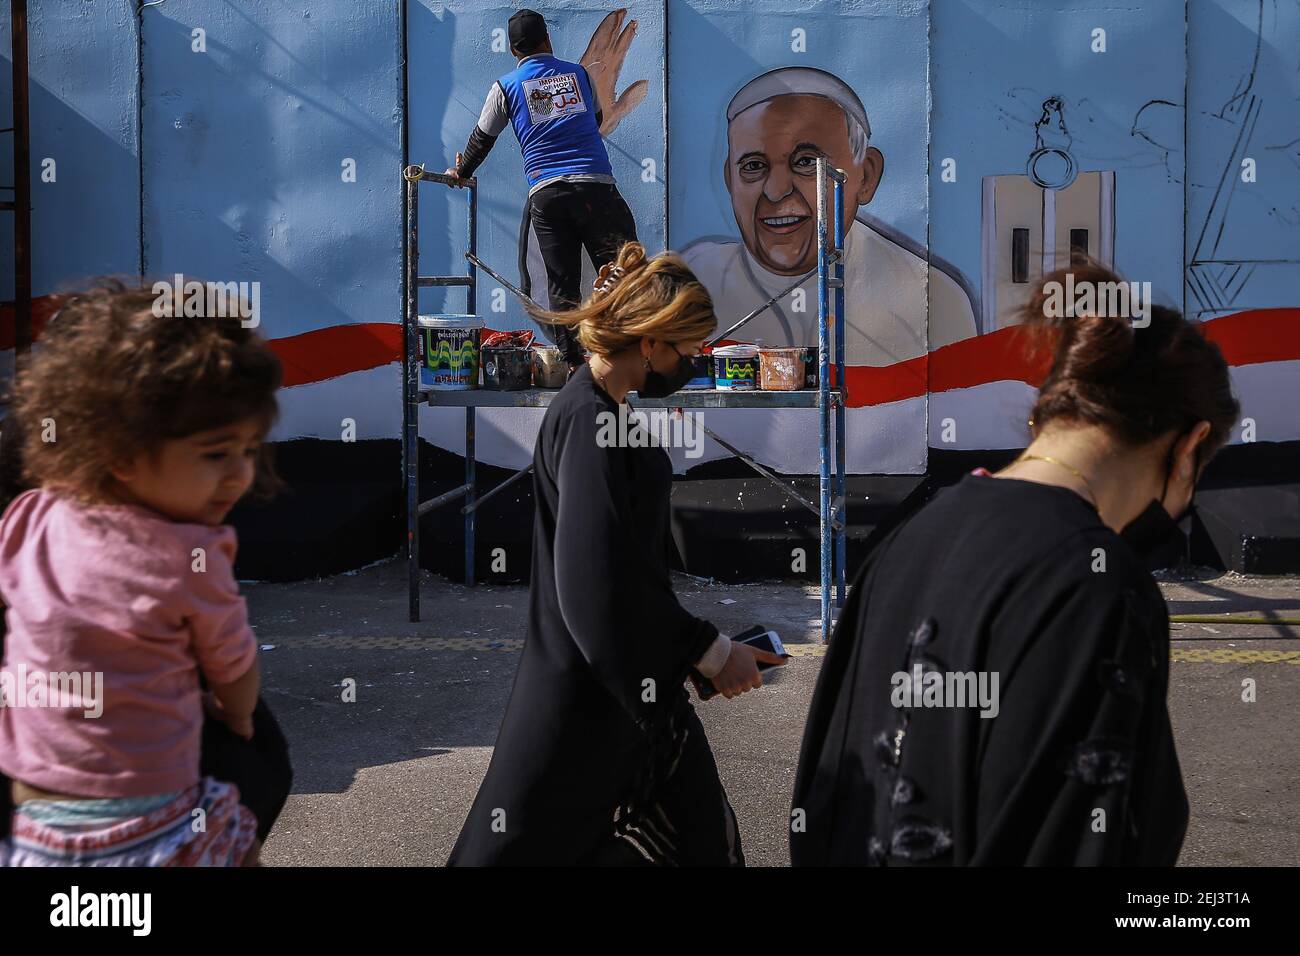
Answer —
469 497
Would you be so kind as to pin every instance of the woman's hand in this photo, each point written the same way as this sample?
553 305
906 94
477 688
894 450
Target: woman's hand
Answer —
241 726
740 674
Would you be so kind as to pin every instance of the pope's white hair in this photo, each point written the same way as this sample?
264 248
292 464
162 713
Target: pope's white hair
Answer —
859 140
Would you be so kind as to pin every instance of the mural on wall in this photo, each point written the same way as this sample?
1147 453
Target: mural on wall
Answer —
1243 216
457 51
759 94
1034 160
1043 219
761 171
778 124
986 143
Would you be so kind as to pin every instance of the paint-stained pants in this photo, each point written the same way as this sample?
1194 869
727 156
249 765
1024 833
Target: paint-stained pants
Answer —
567 218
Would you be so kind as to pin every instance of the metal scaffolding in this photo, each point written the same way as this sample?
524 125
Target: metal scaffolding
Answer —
825 398
21 205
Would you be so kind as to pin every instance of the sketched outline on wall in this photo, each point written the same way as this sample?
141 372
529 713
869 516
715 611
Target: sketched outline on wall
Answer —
1217 282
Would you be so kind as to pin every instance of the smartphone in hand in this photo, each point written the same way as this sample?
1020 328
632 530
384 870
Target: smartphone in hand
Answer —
758 636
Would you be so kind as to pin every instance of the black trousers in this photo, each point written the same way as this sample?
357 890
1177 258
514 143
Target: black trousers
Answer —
569 217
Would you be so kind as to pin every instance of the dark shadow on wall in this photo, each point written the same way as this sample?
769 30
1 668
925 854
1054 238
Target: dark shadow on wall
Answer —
199 223
96 193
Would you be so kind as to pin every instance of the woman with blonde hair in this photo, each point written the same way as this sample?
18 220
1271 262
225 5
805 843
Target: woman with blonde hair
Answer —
601 758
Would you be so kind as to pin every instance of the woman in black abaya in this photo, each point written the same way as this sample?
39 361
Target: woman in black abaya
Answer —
1024 578
601 758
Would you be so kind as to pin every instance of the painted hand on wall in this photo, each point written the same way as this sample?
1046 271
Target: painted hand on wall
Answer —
604 62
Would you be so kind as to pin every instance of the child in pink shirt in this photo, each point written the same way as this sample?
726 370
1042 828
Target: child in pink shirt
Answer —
141 431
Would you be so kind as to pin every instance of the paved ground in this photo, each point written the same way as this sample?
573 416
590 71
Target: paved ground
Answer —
388 779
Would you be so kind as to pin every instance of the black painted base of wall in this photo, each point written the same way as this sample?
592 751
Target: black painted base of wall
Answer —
1248 510
344 510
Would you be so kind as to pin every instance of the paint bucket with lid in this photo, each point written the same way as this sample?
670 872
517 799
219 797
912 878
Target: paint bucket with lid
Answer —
450 348
701 372
507 368
735 367
550 370
781 370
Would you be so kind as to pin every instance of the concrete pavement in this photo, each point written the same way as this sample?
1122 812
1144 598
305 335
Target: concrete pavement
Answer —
388 779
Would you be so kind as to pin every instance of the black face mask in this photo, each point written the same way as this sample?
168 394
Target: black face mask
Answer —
658 385
1154 532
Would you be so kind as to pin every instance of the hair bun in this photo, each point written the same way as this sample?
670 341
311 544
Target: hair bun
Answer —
631 256
1138 382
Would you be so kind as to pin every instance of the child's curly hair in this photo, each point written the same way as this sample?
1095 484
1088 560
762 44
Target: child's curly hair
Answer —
110 380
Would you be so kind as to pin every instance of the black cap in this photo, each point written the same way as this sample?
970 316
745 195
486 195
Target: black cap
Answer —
527 31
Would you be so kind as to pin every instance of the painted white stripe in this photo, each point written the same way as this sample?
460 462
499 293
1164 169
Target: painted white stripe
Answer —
883 439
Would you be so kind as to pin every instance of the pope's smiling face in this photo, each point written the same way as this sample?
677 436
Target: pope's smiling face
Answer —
771 173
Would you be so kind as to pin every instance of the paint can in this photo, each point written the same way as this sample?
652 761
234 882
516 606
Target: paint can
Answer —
507 368
736 367
550 370
781 370
449 345
702 372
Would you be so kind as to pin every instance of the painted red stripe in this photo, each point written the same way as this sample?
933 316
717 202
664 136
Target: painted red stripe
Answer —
1246 338
328 353
998 356
1260 335
42 308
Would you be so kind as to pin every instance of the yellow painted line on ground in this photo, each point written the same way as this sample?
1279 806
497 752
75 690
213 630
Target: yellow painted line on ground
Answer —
1232 656
1232 619
392 642
1178 655
806 650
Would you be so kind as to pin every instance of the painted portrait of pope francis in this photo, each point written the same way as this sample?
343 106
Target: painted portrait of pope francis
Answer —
778 124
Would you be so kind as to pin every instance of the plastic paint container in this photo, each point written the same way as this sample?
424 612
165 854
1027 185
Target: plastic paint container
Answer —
781 370
703 372
735 367
449 344
810 366
507 369
549 368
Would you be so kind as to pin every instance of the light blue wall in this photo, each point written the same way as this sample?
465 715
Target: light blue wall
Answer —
244 147
82 76
243 144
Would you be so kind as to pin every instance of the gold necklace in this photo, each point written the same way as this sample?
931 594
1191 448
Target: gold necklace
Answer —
1092 497
603 385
